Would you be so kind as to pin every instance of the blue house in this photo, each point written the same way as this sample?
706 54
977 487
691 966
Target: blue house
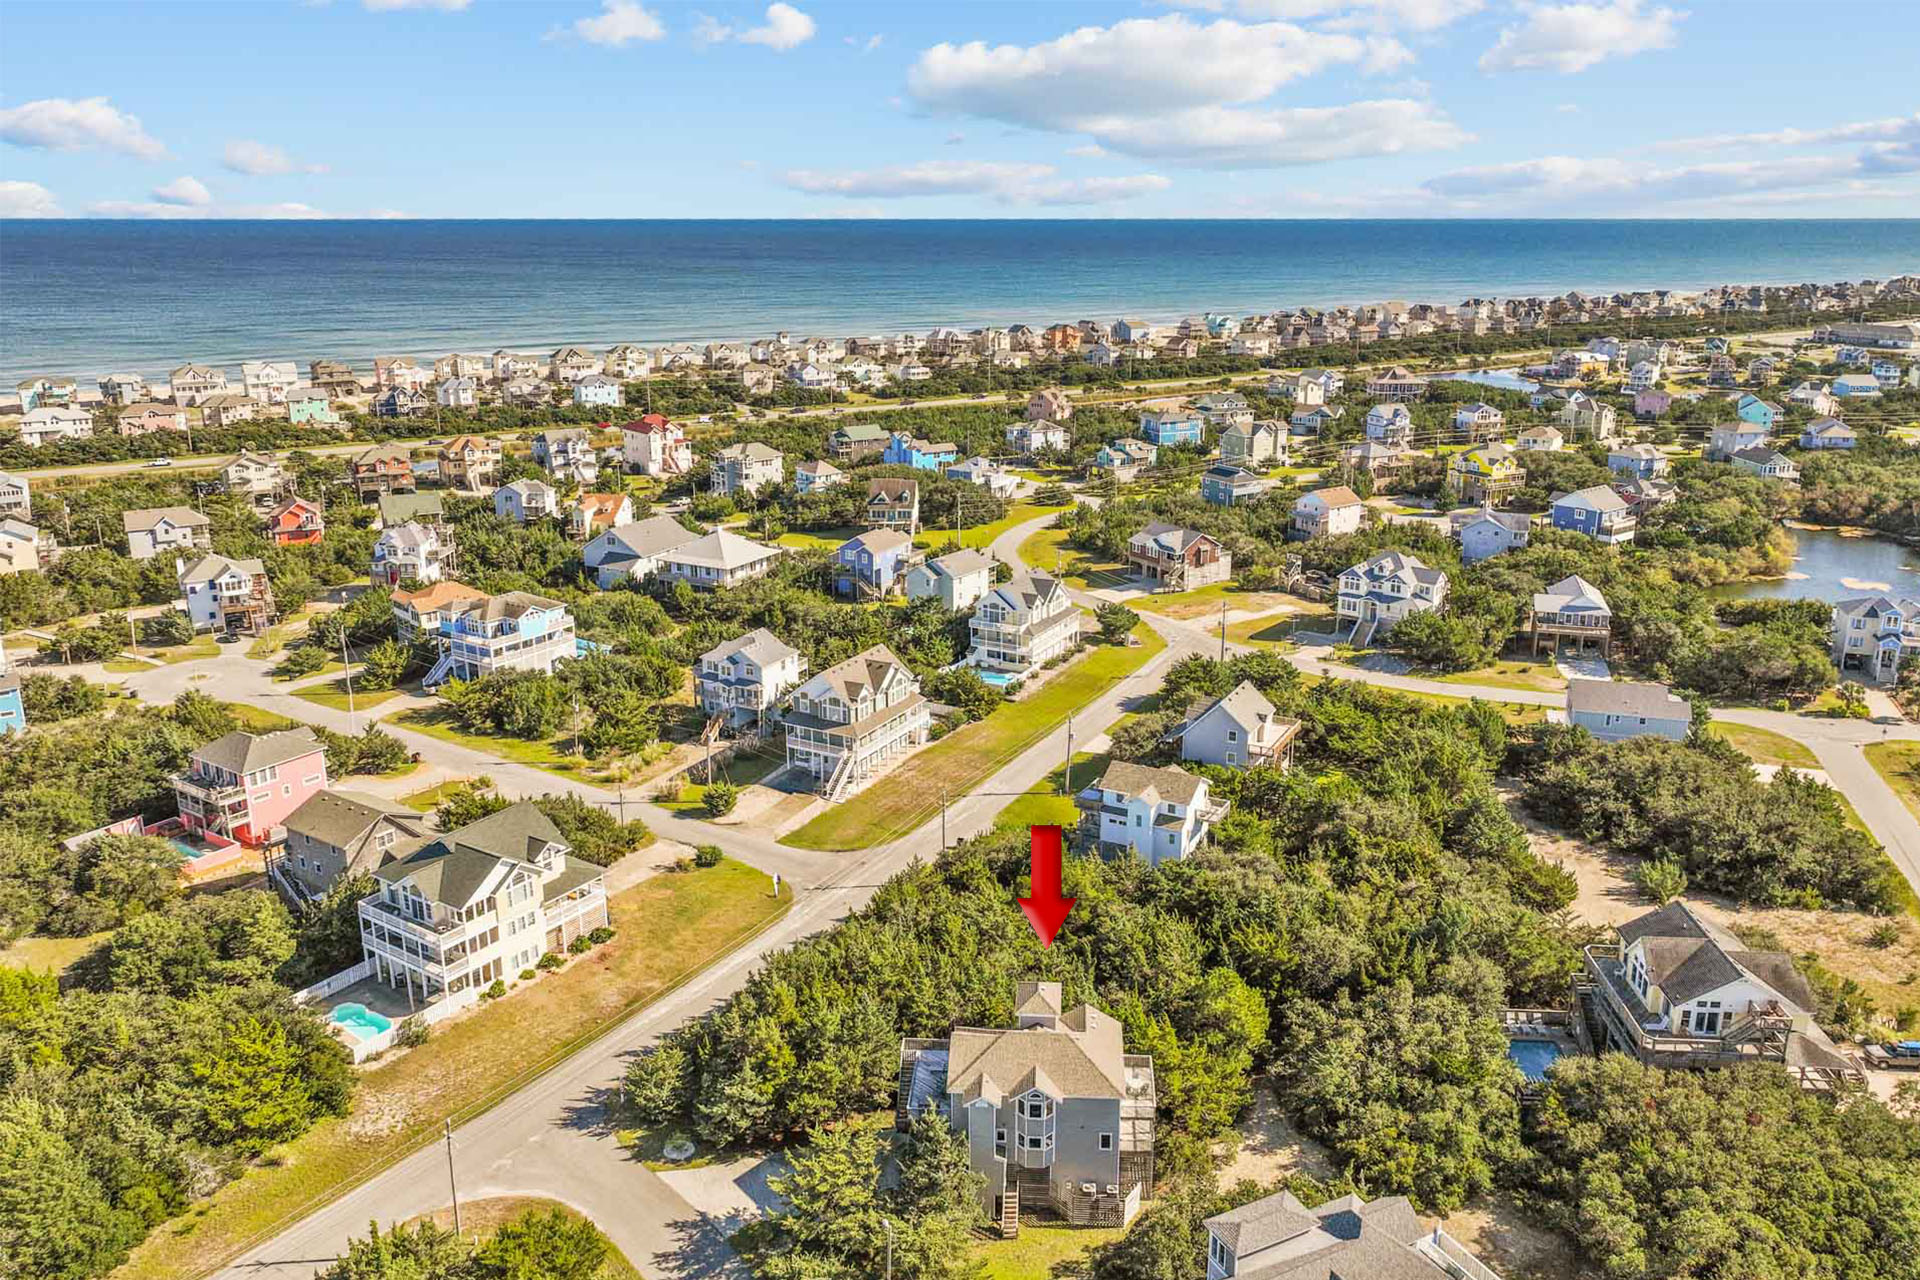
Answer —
1848 385
1124 457
1761 413
1224 484
907 450
874 564
1598 512
1165 427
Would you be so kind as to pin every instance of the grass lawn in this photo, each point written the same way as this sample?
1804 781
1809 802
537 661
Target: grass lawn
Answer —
54 954
1898 764
1514 713
330 666
334 694
690 801
1035 1253
438 722
1045 806
982 535
1540 676
484 1217
277 635
258 720
827 540
202 646
669 928
908 796
430 797
1764 745
1277 632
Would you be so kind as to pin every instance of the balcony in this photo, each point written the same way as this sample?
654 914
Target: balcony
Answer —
209 790
1758 1034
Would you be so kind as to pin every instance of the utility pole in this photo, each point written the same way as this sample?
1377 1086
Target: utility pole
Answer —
353 721
453 1185
1223 631
889 1226
576 735
1066 778
943 817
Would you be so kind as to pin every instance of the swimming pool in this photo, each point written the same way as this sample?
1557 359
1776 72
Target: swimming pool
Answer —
362 1022
1533 1057
998 679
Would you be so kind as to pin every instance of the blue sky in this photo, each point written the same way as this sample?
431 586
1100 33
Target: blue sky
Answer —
1238 108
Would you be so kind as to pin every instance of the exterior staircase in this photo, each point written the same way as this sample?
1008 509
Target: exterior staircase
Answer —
839 780
1010 1211
1363 632
441 670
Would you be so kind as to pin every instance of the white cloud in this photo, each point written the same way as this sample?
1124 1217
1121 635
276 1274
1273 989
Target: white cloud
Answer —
389 6
619 23
1174 89
1572 37
183 191
27 200
1087 152
78 124
160 209
1580 183
1006 183
1412 15
785 28
259 159
1894 128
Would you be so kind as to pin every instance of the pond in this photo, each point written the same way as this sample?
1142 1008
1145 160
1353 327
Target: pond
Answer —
1504 379
1830 566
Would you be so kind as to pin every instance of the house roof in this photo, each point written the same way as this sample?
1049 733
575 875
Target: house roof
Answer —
1599 497
893 489
819 467
1626 698
1025 591
877 541
1689 957
1762 456
438 596
337 817
1570 593
1244 705
861 431
398 508
1175 786
1828 427
760 645
209 567
242 752
1512 521
721 549
1338 495
512 604
1171 536
1392 564
956 564
751 451
654 536
1084 1056
151 517
409 536
1345 1239
452 868
596 505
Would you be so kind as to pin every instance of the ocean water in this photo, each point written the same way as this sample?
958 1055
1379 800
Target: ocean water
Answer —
84 297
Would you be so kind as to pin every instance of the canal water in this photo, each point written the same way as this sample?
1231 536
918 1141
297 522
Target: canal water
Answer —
1830 566
1505 379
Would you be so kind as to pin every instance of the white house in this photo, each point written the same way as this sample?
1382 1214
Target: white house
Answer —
599 390
457 393
1828 433
22 547
1022 624
52 423
719 559
1240 731
633 550
1390 423
192 383
747 468
987 474
227 595
269 381
813 476
745 678
1160 814
1614 710
854 719
1378 593
958 579
525 500
1333 510
153 530
410 552
1033 435
656 446
16 495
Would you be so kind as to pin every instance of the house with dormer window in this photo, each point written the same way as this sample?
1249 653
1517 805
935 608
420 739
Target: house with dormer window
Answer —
892 503
854 719
1161 815
1057 1115
746 677
1874 635
1022 624
1377 593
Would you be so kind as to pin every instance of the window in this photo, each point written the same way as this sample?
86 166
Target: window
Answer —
1106 1142
1233 735
1033 1142
1000 1137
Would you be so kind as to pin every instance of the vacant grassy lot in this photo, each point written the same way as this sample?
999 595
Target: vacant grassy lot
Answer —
1044 805
1542 677
669 928
911 794
981 535
1764 746
44 954
438 722
333 694
258 719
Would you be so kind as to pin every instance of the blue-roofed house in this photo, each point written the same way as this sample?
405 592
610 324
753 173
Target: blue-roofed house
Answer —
1855 385
1598 512
873 564
1761 413
907 450
1165 427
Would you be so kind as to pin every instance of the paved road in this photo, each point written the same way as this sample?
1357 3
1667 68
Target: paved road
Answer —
551 1137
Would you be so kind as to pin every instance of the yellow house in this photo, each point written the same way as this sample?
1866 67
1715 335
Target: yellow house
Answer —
1487 474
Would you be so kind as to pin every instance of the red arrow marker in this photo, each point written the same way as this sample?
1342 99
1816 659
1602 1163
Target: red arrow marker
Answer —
1046 909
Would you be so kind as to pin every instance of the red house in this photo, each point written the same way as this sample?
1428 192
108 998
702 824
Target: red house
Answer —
244 785
296 523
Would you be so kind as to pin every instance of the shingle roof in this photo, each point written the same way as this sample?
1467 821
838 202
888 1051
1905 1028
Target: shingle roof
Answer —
1344 1239
150 517
862 673
438 595
336 817
759 644
242 752
721 549
1626 698
957 563
207 568
452 868
1571 592
1338 495
1175 786
1599 497
1688 957
652 536
1083 1058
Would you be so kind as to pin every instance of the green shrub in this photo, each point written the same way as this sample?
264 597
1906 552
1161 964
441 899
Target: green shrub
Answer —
494 992
551 960
411 1034
1661 879
600 935
578 946
1884 934
707 855
720 798
528 975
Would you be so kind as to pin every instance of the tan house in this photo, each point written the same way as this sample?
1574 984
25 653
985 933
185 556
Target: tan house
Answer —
469 462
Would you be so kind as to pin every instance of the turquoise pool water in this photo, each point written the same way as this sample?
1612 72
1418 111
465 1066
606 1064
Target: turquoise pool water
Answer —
363 1022
1533 1057
998 679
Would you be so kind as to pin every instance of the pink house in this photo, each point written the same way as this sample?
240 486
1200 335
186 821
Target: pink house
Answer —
1651 404
244 785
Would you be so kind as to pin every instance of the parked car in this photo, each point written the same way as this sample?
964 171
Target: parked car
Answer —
161 462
